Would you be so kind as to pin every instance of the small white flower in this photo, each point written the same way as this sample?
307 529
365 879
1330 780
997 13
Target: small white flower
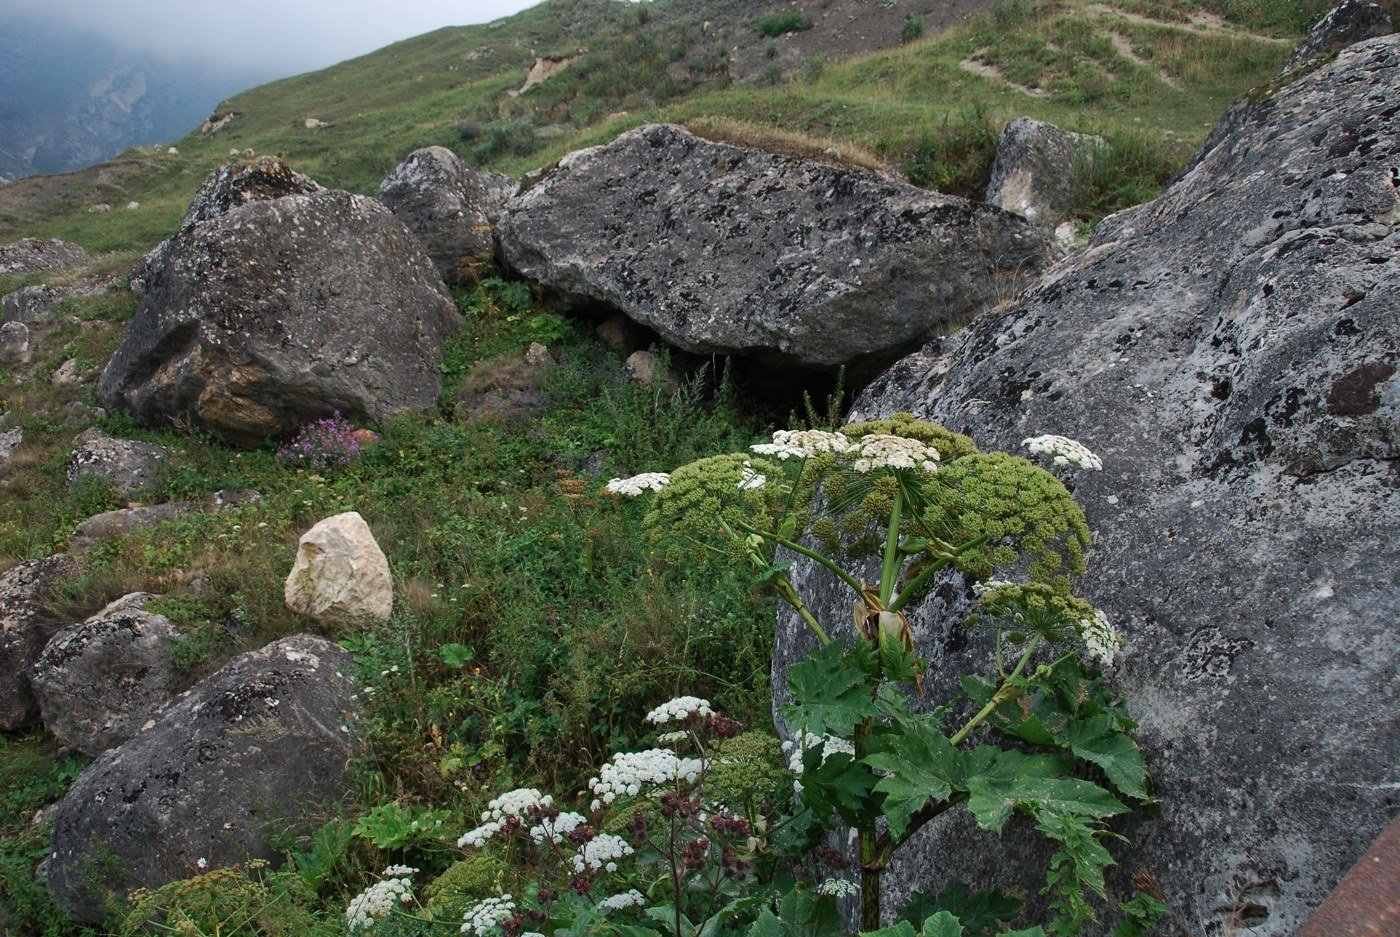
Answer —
628 899
501 809
487 915
882 450
804 444
647 481
375 902
1063 451
1101 639
601 852
839 887
749 479
554 831
630 773
201 863
670 738
679 709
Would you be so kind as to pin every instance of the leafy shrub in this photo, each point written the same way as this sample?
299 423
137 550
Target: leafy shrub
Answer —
780 23
912 29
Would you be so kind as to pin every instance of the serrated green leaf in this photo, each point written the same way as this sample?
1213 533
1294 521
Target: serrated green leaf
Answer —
943 924
902 929
981 913
995 779
836 784
922 765
830 693
978 690
1062 796
766 925
1099 741
1028 932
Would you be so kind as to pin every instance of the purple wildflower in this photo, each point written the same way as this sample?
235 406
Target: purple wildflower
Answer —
323 444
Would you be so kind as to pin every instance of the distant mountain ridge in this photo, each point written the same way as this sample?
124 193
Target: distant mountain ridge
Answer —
70 100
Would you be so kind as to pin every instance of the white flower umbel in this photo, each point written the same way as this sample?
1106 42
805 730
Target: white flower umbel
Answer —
500 810
555 830
671 738
829 744
839 887
1101 639
628 899
375 902
631 773
602 852
647 481
679 709
1063 451
804 444
749 479
487 915
881 450
991 585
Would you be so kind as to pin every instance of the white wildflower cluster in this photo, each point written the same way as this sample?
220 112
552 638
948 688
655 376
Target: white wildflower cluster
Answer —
882 450
671 738
1063 451
750 478
630 773
804 444
375 902
487 914
982 589
500 811
554 831
1101 639
830 745
628 899
602 852
680 709
647 481
839 887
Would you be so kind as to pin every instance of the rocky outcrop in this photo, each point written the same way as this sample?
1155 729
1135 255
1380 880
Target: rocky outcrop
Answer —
448 206
14 343
99 681
727 250
1037 169
1232 351
128 464
247 755
24 630
10 440
340 574
30 304
277 304
112 524
30 255
1350 22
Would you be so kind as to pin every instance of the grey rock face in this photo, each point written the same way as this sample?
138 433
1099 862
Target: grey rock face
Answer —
112 524
1349 22
24 630
1231 351
128 464
448 206
268 310
14 343
30 304
1036 169
30 255
10 440
248 752
99 681
728 250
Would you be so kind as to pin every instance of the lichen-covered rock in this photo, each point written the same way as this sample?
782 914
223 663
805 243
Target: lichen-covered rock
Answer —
30 255
448 206
99 681
1232 352
252 755
14 343
24 630
128 464
340 574
112 524
1349 22
274 306
10 440
30 304
728 250
1037 168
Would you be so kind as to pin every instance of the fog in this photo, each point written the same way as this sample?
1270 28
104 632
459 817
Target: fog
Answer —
260 38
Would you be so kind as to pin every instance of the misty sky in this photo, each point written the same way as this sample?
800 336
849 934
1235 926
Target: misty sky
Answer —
268 38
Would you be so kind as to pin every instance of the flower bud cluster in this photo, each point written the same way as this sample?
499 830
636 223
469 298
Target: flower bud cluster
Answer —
628 899
631 773
1101 639
602 852
829 744
486 914
882 450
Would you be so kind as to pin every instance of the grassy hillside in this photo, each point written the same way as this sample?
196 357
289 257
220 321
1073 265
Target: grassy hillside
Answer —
531 627
1150 76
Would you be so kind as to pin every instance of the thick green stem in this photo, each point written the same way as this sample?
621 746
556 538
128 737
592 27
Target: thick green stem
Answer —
1009 690
845 577
889 569
788 592
915 584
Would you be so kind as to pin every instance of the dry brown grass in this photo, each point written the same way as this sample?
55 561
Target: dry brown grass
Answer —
787 143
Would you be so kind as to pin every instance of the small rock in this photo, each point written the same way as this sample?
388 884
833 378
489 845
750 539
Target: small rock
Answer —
14 343
24 630
112 524
644 368
30 304
98 681
233 151
132 206
128 464
67 374
10 441
1037 170
340 575
99 209
538 355
248 153
313 124
173 152
621 334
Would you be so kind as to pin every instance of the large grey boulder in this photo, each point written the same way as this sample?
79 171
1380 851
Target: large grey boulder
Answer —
128 464
31 255
1038 168
1231 352
24 630
243 759
99 681
1348 22
450 207
30 304
273 306
14 343
729 250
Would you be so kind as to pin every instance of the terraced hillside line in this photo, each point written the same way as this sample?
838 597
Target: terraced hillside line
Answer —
1124 47
977 67
1199 22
